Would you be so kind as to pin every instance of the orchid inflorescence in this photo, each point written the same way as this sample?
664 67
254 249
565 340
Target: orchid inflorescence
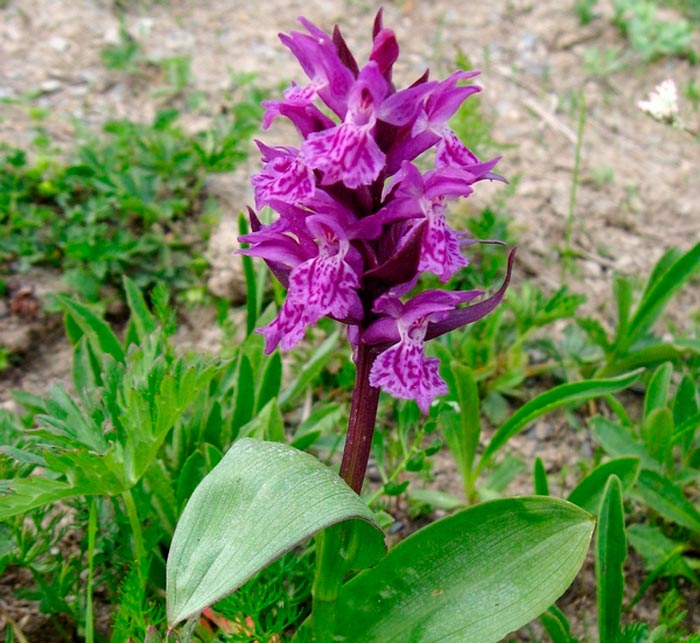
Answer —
359 222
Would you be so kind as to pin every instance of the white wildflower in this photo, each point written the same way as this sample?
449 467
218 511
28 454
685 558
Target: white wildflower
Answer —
663 102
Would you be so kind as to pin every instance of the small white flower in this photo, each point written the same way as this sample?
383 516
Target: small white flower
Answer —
663 102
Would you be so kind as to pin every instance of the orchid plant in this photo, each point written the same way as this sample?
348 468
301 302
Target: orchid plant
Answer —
359 221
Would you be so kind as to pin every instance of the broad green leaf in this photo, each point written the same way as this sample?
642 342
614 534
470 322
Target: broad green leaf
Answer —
260 501
98 332
311 369
657 295
555 398
657 392
588 493
474 576
611 551
668 500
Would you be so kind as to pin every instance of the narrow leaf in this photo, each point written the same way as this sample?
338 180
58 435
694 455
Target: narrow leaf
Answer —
657 392
664 287
540 478
588 493
668 500
611 551
96 330
555 398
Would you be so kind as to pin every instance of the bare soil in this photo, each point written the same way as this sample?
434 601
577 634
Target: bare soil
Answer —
638 194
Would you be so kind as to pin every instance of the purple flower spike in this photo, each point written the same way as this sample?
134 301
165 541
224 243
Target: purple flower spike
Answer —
358 223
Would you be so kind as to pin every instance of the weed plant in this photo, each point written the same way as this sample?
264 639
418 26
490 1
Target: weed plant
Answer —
130 202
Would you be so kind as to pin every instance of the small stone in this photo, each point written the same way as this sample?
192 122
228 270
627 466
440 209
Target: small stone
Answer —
591 268
58 44
50 86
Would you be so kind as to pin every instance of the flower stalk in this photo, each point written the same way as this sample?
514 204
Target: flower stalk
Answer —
363 416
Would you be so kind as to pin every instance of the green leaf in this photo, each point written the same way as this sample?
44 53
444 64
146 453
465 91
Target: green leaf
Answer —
141 322
657 391
557 626
540 477
668 500
311 369
685 402
622 291
98 332
657 432
660 289
660 553
474 576
260 501
652 354
618 441
435 498
555 398
30 493
268 424
462 437
611 551
588 493
271 381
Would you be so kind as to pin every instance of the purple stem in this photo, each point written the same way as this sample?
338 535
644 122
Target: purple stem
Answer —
363 416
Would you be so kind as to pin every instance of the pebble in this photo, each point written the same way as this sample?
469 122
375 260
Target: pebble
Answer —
58 44
50 86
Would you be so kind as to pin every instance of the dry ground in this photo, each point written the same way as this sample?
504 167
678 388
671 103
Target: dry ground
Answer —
640 186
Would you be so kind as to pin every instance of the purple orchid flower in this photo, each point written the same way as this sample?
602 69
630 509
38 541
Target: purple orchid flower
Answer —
359 222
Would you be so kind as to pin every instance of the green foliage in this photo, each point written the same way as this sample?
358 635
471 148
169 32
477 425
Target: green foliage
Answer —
665 441
258 495
651 36
130 202
633 342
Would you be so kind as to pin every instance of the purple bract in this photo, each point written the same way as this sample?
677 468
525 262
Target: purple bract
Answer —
359 222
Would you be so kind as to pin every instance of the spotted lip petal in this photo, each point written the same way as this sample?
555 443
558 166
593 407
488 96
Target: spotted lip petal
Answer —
285 177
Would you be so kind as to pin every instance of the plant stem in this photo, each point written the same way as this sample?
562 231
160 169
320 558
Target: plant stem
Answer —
330 564
327 581
139 548
92 532
363 415
574 184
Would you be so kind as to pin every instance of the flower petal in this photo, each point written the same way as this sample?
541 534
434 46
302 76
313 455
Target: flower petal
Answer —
404 371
